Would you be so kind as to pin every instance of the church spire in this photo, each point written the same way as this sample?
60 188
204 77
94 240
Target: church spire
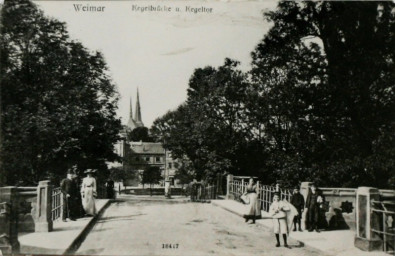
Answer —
130 109
137 116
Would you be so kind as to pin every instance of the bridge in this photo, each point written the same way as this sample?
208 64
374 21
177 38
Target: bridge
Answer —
154 225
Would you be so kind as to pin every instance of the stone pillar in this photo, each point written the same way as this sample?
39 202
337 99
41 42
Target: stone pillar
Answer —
229 179
44 207
304 191
366 220
9 220
242 186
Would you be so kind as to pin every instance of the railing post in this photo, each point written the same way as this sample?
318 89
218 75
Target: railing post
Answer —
229 180
242 186
44 207
9 220
61 209
366 220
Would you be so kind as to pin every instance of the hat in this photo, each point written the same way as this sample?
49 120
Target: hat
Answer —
313 185
276 194
296 187
89 171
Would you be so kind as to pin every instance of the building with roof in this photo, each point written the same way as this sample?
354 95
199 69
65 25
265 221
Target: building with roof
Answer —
138 156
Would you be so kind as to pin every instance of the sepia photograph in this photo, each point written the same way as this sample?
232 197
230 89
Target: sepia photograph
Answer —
197 127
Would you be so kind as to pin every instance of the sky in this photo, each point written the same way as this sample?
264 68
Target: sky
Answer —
157 52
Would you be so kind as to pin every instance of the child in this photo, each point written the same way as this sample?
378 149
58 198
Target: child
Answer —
278 212
297 200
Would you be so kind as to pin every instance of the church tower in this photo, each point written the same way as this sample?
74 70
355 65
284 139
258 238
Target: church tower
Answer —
137 115
135 122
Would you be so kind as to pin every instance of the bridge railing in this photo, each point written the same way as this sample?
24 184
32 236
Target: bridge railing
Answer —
386 229
237 185
57 204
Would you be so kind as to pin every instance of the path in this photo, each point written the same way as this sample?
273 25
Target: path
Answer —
142 227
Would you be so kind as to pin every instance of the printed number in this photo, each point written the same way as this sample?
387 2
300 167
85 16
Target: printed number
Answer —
169 246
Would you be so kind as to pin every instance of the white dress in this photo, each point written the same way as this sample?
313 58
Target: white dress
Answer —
282 213
88 193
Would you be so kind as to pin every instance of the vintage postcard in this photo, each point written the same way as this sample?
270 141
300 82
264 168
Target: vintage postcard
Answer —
197 127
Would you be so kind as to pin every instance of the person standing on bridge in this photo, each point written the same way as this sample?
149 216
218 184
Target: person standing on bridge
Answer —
297 200
254 210
88 193
314 203
69 190
278 211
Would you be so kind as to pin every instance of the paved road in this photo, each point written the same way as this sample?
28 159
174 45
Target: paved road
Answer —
139 227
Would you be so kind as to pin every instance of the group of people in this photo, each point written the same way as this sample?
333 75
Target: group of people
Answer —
197 191
285 214
78 199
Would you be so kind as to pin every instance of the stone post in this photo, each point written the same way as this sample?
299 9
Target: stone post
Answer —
366 220
304 191
9 220
229 179
44 207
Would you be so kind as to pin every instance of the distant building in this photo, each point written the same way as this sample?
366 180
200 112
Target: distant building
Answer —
137 156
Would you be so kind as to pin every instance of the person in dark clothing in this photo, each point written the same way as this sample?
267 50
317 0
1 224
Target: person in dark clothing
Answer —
314 202
69 189
297 200
193 186
79 210
110 189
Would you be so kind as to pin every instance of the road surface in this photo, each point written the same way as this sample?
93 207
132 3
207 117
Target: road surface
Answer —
151 227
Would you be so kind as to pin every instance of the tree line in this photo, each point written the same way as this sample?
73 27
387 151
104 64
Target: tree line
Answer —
58 102
316 105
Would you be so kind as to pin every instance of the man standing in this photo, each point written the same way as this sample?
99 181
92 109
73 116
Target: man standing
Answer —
313 203
69 190
110 188
193 186
297 200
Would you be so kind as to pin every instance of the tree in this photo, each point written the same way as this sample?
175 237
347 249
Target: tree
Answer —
185 173
345 100
140 134
151 175
58 101
121 174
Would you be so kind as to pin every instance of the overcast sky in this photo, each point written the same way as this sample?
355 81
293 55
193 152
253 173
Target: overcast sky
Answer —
158 51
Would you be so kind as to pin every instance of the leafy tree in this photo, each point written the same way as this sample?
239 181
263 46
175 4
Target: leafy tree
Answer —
151 175
140 134
344 98
185 173
120 174
58 101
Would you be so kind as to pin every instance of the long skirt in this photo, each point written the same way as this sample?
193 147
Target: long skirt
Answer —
253 209
88 201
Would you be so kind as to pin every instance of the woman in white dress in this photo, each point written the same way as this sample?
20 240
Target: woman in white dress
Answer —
88 193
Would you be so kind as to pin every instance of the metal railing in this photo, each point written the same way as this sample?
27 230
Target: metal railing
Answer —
200 193
265 193
57 203
237 188
387 227
208 192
